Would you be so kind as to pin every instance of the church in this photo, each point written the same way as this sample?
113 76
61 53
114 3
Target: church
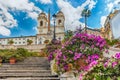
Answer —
44 31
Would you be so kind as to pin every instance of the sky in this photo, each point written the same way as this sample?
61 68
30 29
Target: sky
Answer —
19 17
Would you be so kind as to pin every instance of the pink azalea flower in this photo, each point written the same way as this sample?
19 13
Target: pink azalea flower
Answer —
106 64
81 77
114 64
77 56
93 63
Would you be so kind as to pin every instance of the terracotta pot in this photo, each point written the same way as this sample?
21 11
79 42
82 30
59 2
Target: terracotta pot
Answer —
70 66
12 60
81 63
0 61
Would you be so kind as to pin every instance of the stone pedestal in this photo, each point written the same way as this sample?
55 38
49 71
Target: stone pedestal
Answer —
69 76
52 67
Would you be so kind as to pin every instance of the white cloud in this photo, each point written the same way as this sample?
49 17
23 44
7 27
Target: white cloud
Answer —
113 4
92 4
4 31
72 14
6 18
45 1
110 6
35 28
102 21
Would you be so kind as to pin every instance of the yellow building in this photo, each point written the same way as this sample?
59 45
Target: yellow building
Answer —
106 31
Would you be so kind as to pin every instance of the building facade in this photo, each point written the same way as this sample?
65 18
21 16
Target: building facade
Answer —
94 31
90 31
45 31
106 30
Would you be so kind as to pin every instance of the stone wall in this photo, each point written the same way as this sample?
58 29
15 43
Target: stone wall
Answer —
29 47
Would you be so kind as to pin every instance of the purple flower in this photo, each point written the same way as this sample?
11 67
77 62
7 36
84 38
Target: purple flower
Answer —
70 52
81 77
97 44
77 56
117 55
64 57
114 64
50 57
82 46
106 63
65 67
93 63
58 62
92 46
59 55
93 57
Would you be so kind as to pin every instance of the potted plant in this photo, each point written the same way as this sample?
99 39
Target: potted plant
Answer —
46 41
12 59
0 59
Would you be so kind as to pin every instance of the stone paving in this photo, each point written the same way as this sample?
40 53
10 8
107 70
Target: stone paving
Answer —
34 68
112 51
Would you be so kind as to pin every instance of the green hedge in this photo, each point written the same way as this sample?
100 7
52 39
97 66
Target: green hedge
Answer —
19 54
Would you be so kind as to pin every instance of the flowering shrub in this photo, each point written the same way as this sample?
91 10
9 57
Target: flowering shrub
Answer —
79 53
51 47
104 70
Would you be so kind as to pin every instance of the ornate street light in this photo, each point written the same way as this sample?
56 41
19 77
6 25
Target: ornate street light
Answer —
54 35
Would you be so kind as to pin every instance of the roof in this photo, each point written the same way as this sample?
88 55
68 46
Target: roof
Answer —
92 29
17 37
60 13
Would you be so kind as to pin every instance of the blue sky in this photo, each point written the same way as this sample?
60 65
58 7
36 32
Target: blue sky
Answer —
19 17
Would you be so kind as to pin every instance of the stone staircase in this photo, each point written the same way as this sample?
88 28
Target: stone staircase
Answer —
33 68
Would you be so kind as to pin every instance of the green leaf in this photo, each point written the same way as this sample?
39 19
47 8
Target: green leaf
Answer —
108 78
118 78
97 77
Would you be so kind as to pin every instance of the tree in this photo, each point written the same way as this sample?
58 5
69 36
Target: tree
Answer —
10 42
86 13
29 42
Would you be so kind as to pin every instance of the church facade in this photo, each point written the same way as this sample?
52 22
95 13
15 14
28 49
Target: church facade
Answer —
45 31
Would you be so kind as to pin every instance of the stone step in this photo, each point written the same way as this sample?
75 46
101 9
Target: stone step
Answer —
25 74
25 68
34 68
30 78
36 60
16 64
7 66
24 71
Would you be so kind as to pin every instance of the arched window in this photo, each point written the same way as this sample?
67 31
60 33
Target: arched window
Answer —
59 21
41 23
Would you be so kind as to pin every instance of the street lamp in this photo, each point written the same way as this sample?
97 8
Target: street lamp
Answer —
54 35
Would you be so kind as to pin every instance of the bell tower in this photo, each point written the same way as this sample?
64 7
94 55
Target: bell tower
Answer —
42 22
60 19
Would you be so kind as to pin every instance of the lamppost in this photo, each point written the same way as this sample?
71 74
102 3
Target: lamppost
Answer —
54 35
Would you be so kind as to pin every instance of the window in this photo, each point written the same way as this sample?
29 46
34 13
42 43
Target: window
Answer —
41 23
59 21
19 42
